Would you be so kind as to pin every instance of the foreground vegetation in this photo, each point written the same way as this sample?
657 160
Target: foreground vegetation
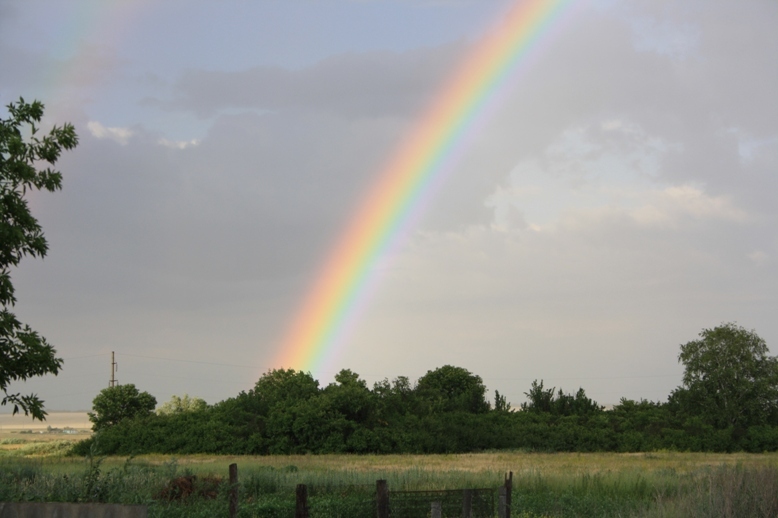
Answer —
662 484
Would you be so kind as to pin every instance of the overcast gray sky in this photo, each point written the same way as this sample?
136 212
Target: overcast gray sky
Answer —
622 198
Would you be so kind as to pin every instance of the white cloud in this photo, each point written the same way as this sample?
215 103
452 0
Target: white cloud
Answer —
673 204
178 144
117 134
759 257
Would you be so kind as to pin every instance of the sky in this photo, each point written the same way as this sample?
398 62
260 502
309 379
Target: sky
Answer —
620 199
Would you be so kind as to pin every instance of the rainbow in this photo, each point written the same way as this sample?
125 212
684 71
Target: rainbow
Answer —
320 326
85 28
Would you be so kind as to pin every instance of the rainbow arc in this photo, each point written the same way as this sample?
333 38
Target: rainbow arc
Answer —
405 184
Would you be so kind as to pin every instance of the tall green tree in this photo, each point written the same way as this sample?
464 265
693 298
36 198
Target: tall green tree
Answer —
450 388
283 387
115 404
729 380
23 352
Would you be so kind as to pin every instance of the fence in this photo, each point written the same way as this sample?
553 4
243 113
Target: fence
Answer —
361 501
465 503
470 503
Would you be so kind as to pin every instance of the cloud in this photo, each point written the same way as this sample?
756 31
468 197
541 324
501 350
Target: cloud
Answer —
178 144
371 84
759 257
118 135
667 206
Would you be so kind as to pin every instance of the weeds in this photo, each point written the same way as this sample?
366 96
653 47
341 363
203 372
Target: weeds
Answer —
723 492
344 487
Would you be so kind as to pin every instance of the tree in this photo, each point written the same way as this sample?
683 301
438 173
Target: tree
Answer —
350 396
454 389
283 387
501 403
546 401
729 379
23 352
114 404
179 405
540 399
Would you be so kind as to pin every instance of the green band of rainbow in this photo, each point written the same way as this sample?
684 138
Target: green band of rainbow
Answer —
318 329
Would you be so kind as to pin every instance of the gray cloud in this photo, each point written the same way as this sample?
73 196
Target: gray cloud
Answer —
376 84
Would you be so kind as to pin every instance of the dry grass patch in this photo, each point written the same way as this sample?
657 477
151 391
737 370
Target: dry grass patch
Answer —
498 462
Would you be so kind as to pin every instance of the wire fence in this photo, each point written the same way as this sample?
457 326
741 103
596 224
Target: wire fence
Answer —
475 503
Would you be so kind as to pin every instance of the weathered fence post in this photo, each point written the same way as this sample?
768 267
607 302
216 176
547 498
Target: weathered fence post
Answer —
508 494
502 503
382 498
233 490
467 503
436 510
301 506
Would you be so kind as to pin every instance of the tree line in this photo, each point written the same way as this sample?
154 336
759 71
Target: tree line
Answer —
728 401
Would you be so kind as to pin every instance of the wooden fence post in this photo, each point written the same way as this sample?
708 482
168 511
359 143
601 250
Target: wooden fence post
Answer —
301 506
382 498
502 507
233 490
436 510
467 503
508 494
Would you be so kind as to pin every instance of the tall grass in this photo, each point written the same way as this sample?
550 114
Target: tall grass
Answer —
723 492
25 448
344 486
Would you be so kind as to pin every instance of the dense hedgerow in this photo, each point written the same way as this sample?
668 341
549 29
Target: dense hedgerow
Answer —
445 412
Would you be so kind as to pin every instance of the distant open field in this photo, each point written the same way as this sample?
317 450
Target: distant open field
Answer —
20 434
77 420
489 465
486 466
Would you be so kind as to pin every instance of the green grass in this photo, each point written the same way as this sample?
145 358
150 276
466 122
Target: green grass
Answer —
655 485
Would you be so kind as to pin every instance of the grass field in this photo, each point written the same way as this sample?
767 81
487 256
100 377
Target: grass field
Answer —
660 484
20 435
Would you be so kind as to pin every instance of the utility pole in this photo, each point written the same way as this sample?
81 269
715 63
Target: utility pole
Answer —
114 368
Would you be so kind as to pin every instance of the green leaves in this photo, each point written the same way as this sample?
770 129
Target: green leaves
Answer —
451 388
23 352
729 379
115 404
560 404
179 405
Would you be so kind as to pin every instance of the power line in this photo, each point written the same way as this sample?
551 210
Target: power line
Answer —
188 361
167 376
554 378
86 356
587 378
